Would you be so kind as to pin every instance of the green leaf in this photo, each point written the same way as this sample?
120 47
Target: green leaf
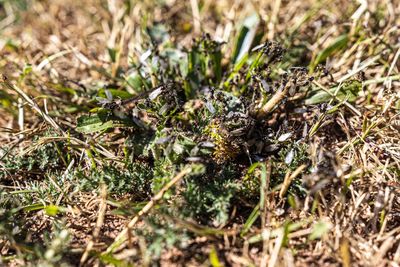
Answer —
237 67
64 89
113 54
214 258
110 259
20 4
245 37
348 90
91 124
320 229
25 72
101 121
216 59
338 44
197 67
117 94
250 220
158 33
33 207
12 45
53 210
176 58
252 168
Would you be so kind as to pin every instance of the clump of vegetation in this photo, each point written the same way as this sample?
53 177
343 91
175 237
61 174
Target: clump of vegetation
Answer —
156 144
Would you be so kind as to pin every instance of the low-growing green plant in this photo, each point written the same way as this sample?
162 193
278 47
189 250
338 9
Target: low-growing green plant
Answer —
134 179
227 145
202 110
46 157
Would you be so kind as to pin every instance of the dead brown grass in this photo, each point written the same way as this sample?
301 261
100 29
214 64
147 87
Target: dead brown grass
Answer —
67 44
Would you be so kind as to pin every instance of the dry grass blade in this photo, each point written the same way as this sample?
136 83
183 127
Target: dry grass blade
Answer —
47 118
277 247
345 252
273 102
196 16
289 178
362 67
99 224
265 208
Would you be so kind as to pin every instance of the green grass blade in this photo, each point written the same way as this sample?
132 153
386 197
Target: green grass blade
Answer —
339 43
245 37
